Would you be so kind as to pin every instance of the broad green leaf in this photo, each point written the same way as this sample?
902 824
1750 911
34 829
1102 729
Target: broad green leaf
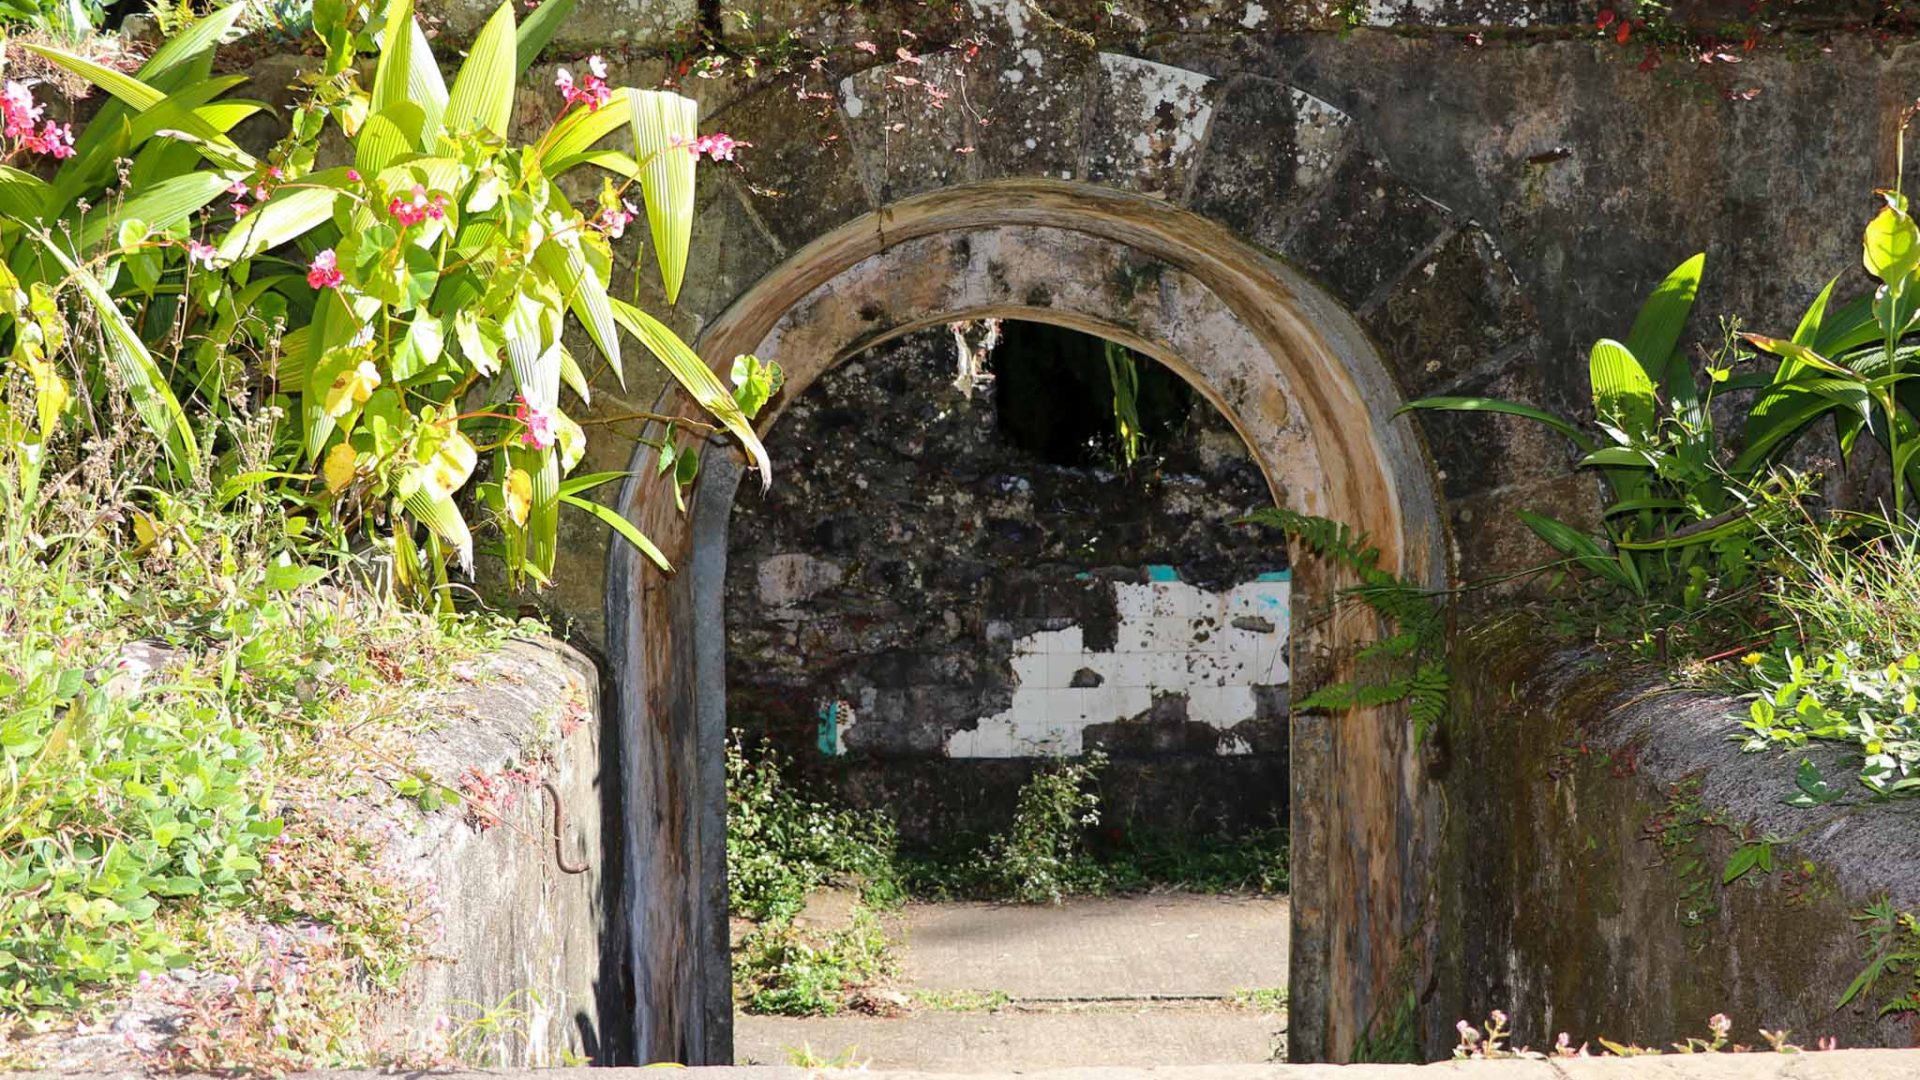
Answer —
1808 332
537 31
1891 246
1583 549
121 85
23 196
386 135
406 71
580 129
199 36
621 525
291 213
1800 354
1657 329
1505 408
1773 422
1623 391
1625 456
574 485
1848 328
444 519
142 379
697 378
1667 543
162 206
611 160
482 94
665 125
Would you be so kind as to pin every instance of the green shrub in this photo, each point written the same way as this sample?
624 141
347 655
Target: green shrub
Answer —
781 846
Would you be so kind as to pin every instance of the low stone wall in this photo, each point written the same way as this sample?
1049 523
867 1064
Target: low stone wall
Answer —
518 929
1591 811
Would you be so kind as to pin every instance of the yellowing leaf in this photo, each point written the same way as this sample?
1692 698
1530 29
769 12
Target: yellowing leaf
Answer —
352 387
452 462
146 531
519 492
339 467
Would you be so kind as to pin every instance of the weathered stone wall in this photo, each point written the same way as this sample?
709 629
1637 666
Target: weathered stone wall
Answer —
1590 813
957 600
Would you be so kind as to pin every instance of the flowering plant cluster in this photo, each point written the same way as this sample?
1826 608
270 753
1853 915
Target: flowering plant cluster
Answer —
18 115
418 298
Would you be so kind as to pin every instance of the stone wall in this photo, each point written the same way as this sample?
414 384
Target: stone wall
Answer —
1591 811
922 599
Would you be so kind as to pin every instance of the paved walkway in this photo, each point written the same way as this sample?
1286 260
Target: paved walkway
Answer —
1140 981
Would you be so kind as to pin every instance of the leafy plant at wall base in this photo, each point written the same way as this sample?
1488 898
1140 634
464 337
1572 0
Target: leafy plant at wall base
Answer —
1411 661
1893 948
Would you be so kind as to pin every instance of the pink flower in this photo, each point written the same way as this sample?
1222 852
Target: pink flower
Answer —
240 209
353 176
18 109
592 93
238 187
613 219
867 47
275 173
417 207
201 253
539 423
54 139
324 271
718 146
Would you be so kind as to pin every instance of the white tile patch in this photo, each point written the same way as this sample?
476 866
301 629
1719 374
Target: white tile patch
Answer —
1172 638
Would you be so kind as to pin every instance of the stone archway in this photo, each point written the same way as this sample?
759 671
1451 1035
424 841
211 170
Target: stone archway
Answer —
1288 368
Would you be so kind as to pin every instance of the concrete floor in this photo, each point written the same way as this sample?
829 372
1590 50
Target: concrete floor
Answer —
1141 981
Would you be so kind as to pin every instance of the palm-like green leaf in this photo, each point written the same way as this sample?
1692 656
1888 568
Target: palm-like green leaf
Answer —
537 31
23 196
482 94
665 126
566 266
1657 329
291 213
1623 391
622 526
162 206
580 129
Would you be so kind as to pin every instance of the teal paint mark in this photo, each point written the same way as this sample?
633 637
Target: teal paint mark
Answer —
1276 575
1083 576
1161 572
830 729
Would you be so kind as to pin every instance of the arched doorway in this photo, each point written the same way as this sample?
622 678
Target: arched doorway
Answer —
1283 363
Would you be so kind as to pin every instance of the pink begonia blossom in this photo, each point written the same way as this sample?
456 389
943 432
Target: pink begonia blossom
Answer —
324 271
592 93
718 146
613 219
353 176
201 253
18 115
539 434
417 207
867 47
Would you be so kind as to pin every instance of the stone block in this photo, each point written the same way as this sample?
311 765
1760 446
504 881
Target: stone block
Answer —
1271 150
1451 313
1148 125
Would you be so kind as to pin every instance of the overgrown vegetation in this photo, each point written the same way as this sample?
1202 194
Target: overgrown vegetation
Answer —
255 420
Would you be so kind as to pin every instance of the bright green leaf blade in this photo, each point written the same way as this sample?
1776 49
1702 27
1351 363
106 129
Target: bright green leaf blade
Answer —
1618 455
1505 408
622 526
387 135
1808 332
444 518
482 94
699 380
162 206
1662 319
566 266
537 31
23 196
291 213
1583 549
1890 248
1667 543
611 160
574 485
202 35
118 83
1623 392
665 126
580 129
